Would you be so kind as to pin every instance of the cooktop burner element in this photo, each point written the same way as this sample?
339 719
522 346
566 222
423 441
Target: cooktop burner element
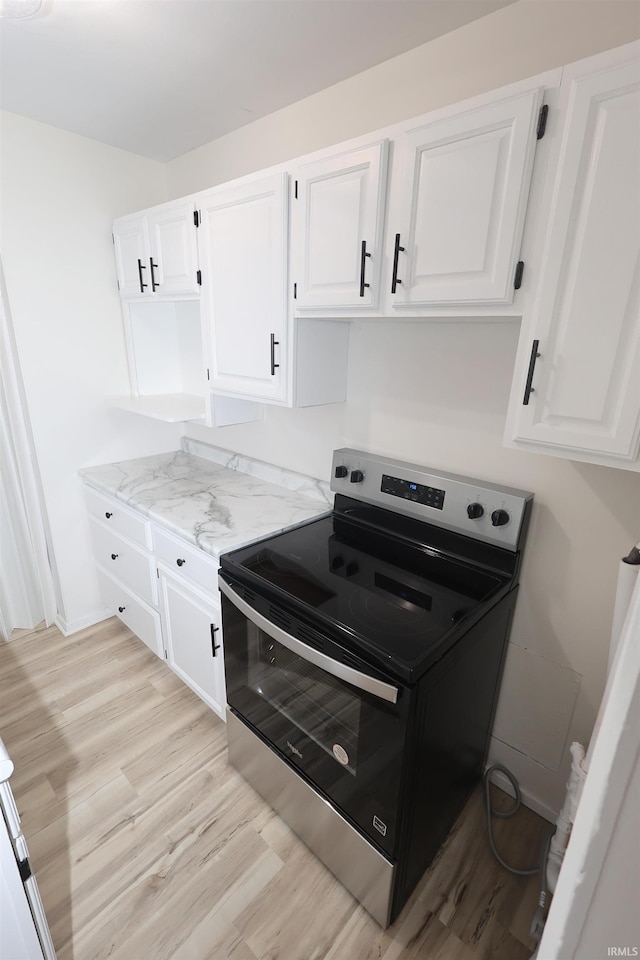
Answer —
381 572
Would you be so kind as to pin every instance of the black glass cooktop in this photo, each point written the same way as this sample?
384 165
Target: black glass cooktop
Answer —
396 598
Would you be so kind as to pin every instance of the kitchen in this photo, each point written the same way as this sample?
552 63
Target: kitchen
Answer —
403 398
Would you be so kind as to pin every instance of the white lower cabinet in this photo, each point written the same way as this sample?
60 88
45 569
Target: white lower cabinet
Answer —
192 628
165 591
141 619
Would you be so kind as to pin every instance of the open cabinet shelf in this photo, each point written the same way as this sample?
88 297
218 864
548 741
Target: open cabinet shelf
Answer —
171 407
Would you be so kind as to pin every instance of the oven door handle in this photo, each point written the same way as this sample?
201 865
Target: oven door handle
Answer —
384 691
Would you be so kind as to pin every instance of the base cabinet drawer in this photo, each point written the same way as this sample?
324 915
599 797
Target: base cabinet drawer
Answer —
192 627
120 518
141 619
125 562
188 562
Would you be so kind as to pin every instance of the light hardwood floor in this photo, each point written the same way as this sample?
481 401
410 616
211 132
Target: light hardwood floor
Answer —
147 845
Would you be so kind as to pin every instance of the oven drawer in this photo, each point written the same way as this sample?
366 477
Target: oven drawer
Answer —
187 561
125 562
141 619
122 519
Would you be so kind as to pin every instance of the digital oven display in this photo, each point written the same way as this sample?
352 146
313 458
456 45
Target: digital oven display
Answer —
416 492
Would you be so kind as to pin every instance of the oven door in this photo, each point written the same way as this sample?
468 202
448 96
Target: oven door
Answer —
342 727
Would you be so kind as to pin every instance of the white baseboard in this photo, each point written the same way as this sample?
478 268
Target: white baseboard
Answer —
66 628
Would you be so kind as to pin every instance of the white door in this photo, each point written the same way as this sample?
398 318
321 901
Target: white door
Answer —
243 256
577 384
192 628
131 250
337 214
463 188
173 256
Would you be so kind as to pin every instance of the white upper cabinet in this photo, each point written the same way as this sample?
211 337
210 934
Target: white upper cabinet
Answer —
243 247
173 249
337 214
577 381
131 247
156 252
460 188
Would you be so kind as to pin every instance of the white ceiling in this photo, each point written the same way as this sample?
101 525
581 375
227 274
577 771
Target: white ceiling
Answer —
161 77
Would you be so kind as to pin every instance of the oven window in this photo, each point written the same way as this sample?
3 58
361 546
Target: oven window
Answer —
321 707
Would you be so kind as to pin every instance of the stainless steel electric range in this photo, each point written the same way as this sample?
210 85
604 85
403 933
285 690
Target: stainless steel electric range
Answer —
363 658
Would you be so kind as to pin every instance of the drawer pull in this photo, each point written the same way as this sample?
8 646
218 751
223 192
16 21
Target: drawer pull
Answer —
143 285
214 646
121 609
114 556
394 274
363 256
181 562
528 390
108 515
274 343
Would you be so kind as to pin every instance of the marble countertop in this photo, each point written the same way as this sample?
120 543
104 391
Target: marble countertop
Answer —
205 502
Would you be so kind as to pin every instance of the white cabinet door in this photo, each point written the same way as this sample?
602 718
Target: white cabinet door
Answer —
337 215
131 248
173 250
462 186
192 628
243 255
577 382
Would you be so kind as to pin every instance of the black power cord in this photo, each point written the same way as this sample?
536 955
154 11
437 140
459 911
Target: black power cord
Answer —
537 924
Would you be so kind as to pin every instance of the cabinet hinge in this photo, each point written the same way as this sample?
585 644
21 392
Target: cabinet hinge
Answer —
157 573
517 280
113 240
196 218
24 868
199 277
295 189
165 655
295 291
208 377
542 121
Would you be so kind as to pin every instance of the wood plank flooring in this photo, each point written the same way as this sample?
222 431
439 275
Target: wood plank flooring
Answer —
147 845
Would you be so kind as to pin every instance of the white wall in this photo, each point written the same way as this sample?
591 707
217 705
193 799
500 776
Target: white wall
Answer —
437 393
60 193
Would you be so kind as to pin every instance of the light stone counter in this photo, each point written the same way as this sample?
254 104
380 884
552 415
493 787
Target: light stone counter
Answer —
214 506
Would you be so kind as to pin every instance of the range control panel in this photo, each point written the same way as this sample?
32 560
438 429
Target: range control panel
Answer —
476 508
416 492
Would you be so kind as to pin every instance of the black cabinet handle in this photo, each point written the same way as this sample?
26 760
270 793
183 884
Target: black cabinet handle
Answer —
181 563
154 282
394 276
363 257
141 267
108 515
114 556
121 609
274 343
214 646
528 390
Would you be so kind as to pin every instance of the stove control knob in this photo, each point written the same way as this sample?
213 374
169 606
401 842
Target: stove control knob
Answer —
357 476
475 511
499 518
341 472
